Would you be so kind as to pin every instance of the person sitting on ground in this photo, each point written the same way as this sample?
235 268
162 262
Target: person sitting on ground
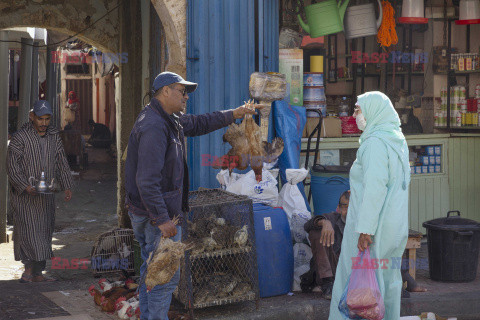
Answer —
325 233
101 136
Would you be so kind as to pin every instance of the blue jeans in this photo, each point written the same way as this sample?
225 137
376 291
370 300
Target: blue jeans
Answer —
155 304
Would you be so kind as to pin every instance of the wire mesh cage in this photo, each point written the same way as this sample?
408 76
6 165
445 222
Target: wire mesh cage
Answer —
221 267
113 252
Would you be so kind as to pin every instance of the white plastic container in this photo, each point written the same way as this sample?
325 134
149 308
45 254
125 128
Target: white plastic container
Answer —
469 10
412 8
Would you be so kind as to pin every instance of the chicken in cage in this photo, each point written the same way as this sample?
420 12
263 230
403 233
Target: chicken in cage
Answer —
221 266
113 252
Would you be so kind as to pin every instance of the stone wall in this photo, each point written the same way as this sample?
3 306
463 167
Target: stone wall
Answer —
69 17
173 14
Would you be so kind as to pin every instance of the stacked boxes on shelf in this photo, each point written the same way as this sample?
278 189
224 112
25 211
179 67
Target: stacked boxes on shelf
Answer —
427 160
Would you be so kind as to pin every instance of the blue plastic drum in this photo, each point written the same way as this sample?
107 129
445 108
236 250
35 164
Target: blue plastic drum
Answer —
274 250
327 185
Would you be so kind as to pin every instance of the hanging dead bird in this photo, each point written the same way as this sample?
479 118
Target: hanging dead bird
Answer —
164 261
248 147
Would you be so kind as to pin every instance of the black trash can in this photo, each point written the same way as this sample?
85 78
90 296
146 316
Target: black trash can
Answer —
453 245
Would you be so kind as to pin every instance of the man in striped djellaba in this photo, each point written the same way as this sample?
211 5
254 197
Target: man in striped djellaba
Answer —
35 149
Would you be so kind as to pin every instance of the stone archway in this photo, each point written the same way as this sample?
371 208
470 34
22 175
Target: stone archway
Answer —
69 17
119 31
173 15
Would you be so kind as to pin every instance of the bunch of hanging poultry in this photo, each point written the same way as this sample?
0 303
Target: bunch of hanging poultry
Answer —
248 149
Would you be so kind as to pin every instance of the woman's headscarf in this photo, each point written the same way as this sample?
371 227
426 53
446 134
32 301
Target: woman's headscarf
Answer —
383 123
72 97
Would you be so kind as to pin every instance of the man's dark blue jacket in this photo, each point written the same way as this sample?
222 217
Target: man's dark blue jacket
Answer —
156 174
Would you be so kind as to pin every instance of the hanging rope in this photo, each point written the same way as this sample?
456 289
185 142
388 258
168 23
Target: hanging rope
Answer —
387 35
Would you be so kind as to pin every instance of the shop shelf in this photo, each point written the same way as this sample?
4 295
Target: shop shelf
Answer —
441 19
460 73
414 73
458 128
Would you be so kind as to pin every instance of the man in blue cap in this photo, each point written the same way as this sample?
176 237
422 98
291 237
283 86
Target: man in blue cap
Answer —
35 149
156 174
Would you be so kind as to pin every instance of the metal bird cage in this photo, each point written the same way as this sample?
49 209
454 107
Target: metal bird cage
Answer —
221 267
113 252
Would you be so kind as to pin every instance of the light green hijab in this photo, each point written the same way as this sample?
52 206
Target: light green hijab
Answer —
383 123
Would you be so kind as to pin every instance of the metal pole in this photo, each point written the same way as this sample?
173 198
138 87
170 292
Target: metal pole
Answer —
51 83
4 66
15 77
34 79
25 81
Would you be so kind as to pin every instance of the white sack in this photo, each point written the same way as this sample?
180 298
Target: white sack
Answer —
265 191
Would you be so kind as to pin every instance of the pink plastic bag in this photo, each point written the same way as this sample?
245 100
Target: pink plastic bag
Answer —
364 298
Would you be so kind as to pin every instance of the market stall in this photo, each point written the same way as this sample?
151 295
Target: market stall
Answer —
424 56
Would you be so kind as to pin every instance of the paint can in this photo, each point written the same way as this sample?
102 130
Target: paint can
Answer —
313 94
316 64
313 79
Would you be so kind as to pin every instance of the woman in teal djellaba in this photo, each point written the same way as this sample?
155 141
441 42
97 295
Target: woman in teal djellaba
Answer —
378 212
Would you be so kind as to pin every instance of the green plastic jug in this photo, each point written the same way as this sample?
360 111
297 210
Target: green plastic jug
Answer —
324 18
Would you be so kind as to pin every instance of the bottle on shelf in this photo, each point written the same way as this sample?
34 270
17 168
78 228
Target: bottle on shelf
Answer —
343 108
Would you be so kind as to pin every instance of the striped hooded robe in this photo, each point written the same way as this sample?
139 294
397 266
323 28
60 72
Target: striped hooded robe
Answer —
34 216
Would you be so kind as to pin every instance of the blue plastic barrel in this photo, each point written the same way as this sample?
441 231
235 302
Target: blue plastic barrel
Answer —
274 250
327 185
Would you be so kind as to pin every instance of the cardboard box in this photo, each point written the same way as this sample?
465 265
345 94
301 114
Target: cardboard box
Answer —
310 126
331 127
291 65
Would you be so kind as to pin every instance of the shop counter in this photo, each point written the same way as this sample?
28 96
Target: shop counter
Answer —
445 174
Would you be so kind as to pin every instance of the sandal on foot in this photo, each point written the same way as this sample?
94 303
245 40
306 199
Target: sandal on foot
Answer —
42 278
26 278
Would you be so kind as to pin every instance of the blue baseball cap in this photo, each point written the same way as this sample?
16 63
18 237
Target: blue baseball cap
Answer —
41 108
166 78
